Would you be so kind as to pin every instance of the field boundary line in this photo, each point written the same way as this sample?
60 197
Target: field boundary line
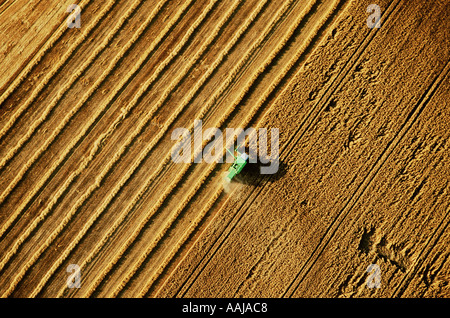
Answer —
390 147
10 87
68 150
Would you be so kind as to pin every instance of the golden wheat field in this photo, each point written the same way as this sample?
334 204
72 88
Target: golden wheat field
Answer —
87 178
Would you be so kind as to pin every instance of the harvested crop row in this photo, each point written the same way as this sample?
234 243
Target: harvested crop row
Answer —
319 263
38 57
174 251
112 65
55 199
49 75
43 181
187 199
44 116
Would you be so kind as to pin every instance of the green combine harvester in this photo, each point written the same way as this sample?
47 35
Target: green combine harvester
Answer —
237 166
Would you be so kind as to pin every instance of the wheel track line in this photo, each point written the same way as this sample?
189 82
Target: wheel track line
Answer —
143 123
182 242
431 243
112 65
180 176
183 104
293 61
87 63
64 157
361 288
409 122
34 61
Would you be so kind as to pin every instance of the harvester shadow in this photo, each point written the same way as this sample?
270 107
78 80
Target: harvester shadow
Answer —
251 174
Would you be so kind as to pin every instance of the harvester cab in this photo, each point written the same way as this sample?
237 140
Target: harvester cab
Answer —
239 163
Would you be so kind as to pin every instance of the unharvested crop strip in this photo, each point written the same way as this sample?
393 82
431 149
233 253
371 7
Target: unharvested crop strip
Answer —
373 171
423 256
43 181
338 80
174 250
48 45
445 220
136 98
345 72
237 100
44 116
55 199
150 18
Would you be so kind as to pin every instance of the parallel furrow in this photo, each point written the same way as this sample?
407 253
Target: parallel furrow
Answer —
38 57
43 181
